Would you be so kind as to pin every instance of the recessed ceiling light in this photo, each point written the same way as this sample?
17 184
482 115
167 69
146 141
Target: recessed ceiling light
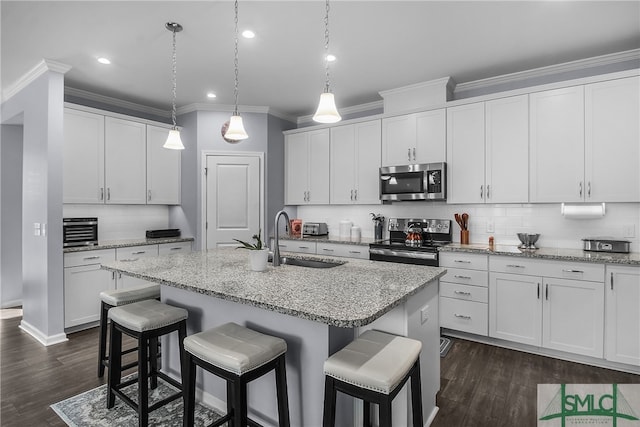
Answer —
104 60
330 57
248 34
211 95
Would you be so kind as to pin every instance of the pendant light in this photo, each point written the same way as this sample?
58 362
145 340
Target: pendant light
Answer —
235 131
173 140
327 111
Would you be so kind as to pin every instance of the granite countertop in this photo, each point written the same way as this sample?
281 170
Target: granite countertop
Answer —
350 295
558 254
364 241
124 243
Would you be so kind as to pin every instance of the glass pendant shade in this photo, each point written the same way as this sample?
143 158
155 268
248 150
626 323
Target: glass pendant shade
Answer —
173 140
327 111
236 131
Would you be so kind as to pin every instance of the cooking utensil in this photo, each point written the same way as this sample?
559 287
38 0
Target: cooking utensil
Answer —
459 220
465 220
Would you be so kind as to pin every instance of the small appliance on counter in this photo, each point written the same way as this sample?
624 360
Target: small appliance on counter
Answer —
79 232
315 229
160 234
605 244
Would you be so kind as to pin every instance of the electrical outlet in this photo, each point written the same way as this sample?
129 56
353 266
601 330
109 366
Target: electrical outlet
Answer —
629 231
36 228
425 313
491 226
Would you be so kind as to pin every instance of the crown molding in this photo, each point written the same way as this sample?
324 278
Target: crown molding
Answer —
91 96
42 67
581 64
345 111
227 108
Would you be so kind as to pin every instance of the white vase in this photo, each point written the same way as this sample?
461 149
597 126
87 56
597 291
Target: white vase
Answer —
258 259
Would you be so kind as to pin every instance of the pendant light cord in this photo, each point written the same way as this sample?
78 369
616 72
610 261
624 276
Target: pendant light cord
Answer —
173 106
235 62
326 47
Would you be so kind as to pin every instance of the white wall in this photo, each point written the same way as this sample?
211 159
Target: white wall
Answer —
555 230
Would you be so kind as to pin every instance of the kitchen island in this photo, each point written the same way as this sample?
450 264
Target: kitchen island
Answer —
317 311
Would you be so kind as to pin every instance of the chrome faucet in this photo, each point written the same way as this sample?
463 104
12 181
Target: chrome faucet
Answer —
276 241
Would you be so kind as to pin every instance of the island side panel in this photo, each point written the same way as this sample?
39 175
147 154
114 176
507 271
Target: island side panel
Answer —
308 346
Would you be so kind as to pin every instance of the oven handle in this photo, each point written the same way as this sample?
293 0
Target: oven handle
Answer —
404 254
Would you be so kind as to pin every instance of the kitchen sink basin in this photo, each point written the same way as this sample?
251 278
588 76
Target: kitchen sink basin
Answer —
311 263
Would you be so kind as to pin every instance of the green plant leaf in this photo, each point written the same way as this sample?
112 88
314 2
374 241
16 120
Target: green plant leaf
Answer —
252 246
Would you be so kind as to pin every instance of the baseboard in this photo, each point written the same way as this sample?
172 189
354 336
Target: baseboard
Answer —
432 416
12 304
43 339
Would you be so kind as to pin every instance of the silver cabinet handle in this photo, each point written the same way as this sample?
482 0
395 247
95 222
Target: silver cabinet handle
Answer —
101 193
457 276
304 247
177 248
538 290
612 281
481 192
589 189
355 195
138 252
409 154
462 293
573 271
462 261
414 153
108 193
462 316
149 196
113 275
129 259
327 250
580 188
488 189
515 266
91 257
546 292
352 195
355 252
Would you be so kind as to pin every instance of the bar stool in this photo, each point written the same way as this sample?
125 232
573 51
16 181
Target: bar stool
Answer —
146 321
117 298
238 355
374 368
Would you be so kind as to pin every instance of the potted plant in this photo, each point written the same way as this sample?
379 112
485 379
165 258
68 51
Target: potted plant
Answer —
258 253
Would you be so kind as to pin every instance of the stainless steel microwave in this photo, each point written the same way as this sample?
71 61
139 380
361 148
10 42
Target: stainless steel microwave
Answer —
414 182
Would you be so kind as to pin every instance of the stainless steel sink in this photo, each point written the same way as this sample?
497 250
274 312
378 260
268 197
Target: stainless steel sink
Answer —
311 263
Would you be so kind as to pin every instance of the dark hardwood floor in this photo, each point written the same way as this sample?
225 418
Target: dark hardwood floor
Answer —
482 386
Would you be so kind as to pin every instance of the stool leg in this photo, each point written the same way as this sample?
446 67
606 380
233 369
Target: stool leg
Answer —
188 390
143 380
230 401
153 362
366 419
239 402
281 390
115 364
416 396
102 344
329 413
385 413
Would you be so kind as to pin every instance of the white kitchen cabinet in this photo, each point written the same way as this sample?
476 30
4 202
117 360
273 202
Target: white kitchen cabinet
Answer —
355 163
133 253
303 246
83 157
307 168
556 161
163 169
414 138
612 150
622 316
342 250
174 248
125 161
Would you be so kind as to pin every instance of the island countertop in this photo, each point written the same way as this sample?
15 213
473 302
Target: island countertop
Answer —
351 295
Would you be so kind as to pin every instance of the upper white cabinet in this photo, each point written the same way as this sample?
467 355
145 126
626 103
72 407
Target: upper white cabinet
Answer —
622 317
307 167
355 163
414 138
557 145
163 169
612 141
125 161
83 157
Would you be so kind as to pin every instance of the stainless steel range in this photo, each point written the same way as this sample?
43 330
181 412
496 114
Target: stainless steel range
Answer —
412 241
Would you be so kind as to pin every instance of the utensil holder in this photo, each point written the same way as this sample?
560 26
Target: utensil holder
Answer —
464 237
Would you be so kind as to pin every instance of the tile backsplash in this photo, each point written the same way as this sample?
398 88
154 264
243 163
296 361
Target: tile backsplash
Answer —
621 221
116 222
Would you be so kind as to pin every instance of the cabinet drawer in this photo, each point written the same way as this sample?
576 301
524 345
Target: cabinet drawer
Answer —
464 292
174 248
465 316
466 277
343 250
74 259
298 246
463 260
135 252
557 269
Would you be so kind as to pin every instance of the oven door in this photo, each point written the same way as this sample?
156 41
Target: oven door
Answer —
404 256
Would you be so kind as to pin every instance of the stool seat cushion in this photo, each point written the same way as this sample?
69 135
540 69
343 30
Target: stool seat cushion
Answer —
375 361
120 297
147 315
234 348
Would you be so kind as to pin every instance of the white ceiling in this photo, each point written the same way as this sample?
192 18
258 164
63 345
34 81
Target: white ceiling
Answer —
380 45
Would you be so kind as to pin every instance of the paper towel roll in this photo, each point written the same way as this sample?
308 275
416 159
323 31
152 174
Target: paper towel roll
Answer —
582 211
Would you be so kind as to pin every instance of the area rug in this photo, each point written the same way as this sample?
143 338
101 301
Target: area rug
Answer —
445 346
89 409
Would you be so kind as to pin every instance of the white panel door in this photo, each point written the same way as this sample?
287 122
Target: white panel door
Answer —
343 164
125 161
163 169
296 172
83 161
573 316
398 140
233 199
367 159
318 167
82 287
622 316
431 136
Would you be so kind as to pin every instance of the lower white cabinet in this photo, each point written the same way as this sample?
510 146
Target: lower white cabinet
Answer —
305 247
622 316
342 250
133 253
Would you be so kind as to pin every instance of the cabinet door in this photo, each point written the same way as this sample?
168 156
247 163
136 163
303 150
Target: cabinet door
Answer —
83 157
573 316
125 161
163 169
515 308
174 248
507 150
612 156
343 164
431 140
398 140
318 190
556 162
296 173
622 298
465 153
82 287
368 140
